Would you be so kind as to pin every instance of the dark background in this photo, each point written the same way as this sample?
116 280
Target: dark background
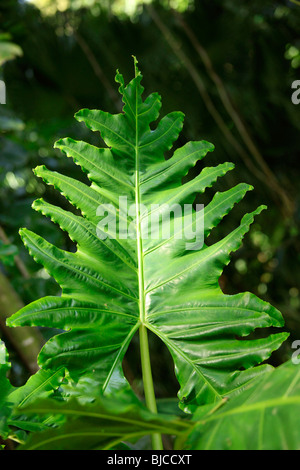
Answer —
227 64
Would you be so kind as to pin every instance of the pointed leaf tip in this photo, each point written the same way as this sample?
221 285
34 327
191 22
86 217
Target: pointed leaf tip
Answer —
120 79
260 209
58 143
136 69
36 203
22 232
39 169
80 114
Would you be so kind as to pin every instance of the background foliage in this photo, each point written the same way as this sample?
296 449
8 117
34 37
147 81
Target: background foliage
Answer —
227 65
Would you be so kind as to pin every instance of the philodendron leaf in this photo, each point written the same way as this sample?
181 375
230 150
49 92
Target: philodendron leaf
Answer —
264 416
101 425
141 262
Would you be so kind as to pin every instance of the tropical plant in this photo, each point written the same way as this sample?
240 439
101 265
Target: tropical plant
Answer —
126 277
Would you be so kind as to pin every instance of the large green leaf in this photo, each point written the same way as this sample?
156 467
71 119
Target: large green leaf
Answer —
265 416
153 280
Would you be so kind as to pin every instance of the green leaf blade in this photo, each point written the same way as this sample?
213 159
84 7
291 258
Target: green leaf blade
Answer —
114 286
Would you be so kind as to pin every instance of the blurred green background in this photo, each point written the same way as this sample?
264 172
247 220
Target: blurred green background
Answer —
228 65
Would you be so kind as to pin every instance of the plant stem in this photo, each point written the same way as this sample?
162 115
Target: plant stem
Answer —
148 383
144 345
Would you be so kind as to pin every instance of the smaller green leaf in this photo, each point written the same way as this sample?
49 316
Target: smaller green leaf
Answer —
39 386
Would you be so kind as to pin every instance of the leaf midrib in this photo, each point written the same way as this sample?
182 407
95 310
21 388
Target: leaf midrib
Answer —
140 254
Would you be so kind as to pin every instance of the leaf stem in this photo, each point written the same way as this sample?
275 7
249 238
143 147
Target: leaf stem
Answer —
144 344
148 382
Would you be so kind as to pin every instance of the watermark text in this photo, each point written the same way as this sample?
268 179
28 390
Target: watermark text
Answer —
156 222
